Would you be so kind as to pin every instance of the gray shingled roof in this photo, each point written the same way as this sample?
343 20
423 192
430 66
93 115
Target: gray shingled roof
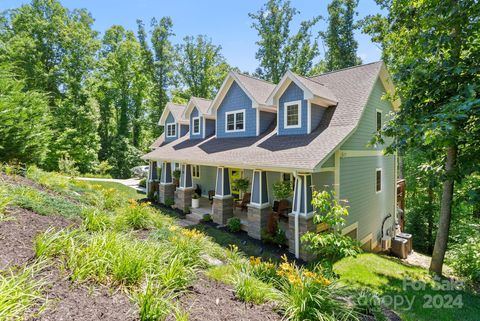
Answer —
158 141
259 89
317 88
202 104
176 110
352 88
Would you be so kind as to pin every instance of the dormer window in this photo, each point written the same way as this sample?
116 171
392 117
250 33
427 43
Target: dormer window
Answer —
292 116
172 130
235 121
196 125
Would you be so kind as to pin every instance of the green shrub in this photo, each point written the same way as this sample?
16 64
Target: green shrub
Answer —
241 184
234 224
282 190
169 202
143 182
464 258
5 200
279 237
20 292
51 180
155 302
207 218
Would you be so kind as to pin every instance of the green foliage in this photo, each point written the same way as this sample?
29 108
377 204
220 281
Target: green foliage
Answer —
241 184
279 49
24 115
368 303
201 68
207 218
464 258
195 196
143 182
135 216
279 237
155 302
95 220
67 166
21 292
234 224
339 37
432 53
250 289
330 245
169 202
282 190
176 174
103 169
5 200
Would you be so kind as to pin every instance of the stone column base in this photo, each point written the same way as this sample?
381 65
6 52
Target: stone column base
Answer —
152 189
257 220
304 225
222 209
166 192
183 199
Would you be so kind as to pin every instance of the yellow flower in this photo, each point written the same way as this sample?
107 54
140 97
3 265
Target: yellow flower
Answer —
255 260
172 228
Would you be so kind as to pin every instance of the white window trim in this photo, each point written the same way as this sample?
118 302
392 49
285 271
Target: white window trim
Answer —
378 111
196 171
285 108
193 125
381 180
235 121
171 124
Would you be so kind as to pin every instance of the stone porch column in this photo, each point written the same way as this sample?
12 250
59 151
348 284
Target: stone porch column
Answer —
167 188
183 194
152 181
223 200
259 208
300 220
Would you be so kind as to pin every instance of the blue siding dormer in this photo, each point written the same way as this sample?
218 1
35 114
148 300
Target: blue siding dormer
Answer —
195 114
293 93
236 100
209 127
316 115
183 130
171 120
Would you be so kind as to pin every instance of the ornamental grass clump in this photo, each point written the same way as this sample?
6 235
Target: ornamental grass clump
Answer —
250 289
138 216
21 291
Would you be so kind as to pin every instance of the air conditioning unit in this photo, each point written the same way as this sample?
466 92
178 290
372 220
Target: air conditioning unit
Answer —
386 243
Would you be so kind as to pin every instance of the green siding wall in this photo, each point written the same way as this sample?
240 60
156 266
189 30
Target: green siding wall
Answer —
330 162
324 180
367 126
357 186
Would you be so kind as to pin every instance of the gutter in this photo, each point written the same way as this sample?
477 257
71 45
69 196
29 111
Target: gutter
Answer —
296 233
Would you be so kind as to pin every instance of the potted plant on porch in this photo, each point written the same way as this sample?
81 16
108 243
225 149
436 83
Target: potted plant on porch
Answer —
176 177
195 200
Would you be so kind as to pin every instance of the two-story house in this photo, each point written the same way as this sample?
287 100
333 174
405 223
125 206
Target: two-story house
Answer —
313 132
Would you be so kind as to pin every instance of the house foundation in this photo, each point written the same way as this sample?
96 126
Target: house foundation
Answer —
257 220
222 209
183 199
305 224
166 192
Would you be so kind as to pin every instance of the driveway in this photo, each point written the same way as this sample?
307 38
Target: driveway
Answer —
130 182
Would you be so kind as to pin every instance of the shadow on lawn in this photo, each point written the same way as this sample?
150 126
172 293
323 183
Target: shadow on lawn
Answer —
434 300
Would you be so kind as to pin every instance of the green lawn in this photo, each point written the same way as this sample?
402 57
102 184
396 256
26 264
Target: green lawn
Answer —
386 276
127 191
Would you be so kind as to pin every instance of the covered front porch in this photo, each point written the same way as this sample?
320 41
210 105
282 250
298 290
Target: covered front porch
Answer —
256 207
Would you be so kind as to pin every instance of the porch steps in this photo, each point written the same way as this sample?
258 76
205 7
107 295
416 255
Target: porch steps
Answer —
194 217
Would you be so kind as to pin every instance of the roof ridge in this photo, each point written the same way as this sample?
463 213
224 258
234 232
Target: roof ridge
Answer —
343 69
255 78
195 97
310 79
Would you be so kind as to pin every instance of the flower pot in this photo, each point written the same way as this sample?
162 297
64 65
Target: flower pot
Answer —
195 202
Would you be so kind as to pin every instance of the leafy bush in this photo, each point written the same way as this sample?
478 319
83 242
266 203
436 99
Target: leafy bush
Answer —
143 182
279 237
330 245
241 184
282 190
234 224
176 174
169 202
67 166
465 259
51 180
20 292
95 220
207 218
195 196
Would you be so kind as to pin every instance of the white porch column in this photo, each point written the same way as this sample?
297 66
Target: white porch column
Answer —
186 179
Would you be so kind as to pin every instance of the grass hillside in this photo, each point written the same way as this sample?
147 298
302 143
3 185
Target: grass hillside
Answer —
99 251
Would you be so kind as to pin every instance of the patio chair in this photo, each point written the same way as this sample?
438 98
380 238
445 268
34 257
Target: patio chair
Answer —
282 209
242 204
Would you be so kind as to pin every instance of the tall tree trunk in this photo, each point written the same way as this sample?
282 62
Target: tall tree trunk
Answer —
430 218
441 241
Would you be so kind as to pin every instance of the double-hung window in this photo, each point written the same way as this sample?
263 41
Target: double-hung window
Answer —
172 130
235 121
195 171
196 125
292 114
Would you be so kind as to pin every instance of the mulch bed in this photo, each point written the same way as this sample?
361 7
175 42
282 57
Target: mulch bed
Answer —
214 301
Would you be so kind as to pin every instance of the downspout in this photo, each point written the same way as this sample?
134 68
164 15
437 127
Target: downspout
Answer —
296 234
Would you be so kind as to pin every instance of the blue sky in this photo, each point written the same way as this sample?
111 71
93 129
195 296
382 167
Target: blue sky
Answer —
225 22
